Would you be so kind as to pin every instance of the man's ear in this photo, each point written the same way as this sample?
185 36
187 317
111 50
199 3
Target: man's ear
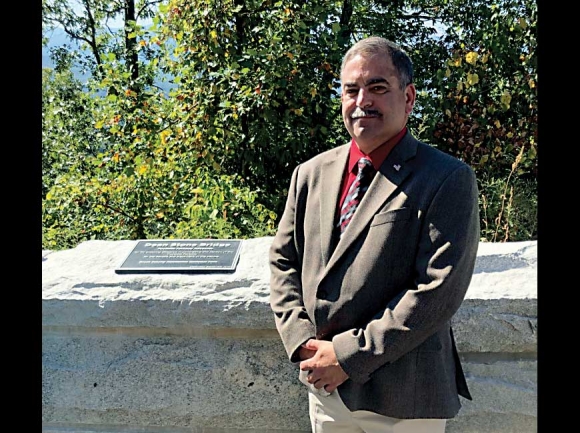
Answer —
410 95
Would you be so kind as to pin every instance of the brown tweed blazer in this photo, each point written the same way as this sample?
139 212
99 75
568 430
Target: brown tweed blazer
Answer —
385 293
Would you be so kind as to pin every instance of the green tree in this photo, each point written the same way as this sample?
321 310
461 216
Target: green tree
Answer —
66 124
255 91
258 81
482 107
134 184
88 23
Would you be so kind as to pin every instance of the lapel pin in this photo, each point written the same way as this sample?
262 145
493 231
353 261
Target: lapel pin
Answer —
397 167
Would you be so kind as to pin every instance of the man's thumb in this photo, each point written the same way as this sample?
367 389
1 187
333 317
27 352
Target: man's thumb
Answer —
311 344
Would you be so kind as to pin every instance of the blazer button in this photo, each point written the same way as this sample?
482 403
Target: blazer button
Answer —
322 294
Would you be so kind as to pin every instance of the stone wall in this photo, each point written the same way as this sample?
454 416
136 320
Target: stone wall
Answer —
199 353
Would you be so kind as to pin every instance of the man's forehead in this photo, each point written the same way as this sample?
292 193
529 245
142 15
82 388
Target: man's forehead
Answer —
368 68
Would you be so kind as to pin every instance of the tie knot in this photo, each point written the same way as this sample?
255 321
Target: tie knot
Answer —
364 166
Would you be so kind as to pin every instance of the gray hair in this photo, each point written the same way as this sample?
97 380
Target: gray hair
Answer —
376 45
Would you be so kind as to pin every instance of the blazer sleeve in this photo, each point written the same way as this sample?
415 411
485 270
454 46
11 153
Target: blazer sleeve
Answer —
443 268
286 300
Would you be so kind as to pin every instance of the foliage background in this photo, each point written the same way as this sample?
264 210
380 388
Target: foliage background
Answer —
254 90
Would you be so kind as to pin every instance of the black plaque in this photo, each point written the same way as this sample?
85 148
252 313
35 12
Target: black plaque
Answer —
182 255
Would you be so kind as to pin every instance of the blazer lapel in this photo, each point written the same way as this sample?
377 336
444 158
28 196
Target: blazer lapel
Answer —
391 174
331 173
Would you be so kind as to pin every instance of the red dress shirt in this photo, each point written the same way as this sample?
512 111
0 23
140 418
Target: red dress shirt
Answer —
377 157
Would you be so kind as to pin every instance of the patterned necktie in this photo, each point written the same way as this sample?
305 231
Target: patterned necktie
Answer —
355 192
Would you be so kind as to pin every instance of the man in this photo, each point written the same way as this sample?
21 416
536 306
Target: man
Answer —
363 290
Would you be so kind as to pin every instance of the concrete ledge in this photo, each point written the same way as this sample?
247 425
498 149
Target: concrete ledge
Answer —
200 353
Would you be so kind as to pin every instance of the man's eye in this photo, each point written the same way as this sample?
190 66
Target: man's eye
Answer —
351 91
378 89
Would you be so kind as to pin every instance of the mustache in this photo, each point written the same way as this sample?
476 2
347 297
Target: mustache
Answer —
359 112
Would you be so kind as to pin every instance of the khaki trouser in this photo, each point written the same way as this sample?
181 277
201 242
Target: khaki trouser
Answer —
328 414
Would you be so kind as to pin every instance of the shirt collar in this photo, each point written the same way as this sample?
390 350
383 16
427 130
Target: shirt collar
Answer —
378 155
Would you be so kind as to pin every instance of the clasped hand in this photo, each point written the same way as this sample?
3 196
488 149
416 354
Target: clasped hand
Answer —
319 359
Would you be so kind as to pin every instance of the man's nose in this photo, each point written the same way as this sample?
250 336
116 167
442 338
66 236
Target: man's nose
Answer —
363 98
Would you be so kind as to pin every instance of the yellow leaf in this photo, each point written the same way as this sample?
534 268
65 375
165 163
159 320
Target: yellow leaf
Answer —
460 86
447 72
142 169
497 124
313 91
485 58
164 135
523 23
531 83
510 134
290 55
471 57
213 34
506 98
448 112
197 190
159 215
216 166
99 124
472 79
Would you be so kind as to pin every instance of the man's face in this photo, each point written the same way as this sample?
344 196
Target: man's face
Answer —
374 108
